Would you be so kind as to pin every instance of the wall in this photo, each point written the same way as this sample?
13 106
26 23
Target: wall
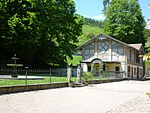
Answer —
15 89
23 88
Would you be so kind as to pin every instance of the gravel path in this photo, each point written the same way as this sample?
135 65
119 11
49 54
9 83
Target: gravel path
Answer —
139 105
116 97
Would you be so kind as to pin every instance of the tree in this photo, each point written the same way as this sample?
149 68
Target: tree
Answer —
92 22
39 31
147 37
106 3
149 6
124 21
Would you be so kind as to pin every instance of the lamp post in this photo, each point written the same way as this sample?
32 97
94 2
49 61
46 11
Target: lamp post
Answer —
26 74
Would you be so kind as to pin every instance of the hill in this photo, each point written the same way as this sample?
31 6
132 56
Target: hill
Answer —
89 31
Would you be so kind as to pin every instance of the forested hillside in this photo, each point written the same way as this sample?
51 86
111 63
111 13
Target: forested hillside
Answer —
90 29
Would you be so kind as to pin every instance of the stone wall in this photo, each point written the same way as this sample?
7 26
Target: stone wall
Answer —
104 81
22 88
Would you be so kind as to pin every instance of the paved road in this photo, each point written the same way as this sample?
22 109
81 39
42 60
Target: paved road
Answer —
116 97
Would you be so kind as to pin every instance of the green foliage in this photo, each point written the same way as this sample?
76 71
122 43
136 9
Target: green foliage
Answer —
75 60
92 22
106 3
124 21
148 94
87 76
9 82
38 31
147 65
88 33
147 37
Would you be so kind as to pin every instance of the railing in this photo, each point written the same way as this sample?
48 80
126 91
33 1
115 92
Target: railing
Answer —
51 75
109 74
34 76
54 71
147 74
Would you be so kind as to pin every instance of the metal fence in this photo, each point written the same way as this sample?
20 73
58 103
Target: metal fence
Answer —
34 76
53 71
109 74
47 75
147 74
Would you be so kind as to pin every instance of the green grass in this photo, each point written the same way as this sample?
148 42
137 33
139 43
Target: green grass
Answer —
8 82
88 30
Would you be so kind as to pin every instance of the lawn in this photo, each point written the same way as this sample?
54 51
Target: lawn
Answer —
8 82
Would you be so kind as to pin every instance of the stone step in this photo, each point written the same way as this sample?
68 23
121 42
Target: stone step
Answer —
78 85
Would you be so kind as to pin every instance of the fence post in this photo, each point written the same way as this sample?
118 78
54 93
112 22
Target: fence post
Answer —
79 74
50 69
26 73
69 72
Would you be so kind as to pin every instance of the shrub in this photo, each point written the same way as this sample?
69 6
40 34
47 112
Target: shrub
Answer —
87 76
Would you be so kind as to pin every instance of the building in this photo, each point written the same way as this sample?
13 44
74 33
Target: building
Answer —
114 55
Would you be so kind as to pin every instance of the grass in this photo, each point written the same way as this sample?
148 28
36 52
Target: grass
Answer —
8 82
87 32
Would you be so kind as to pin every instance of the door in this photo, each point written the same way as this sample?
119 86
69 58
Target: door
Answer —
128 71
131 72
137 72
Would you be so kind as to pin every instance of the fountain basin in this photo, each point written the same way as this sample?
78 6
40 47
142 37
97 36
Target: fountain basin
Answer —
15 65
21 77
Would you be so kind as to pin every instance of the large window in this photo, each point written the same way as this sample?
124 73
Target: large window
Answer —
89 51
103 47
117 48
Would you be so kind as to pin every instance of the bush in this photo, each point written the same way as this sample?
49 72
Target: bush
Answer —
87 76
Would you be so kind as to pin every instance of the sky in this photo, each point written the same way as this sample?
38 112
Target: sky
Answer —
93 9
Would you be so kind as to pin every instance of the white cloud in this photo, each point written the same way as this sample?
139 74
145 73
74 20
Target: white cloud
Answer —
147 26
99 17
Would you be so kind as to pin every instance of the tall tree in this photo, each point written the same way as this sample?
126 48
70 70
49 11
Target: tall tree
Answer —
147 36
39 31
124 21
149 6
106 3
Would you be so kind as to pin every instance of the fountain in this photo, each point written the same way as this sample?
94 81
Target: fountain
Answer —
15 76
14 66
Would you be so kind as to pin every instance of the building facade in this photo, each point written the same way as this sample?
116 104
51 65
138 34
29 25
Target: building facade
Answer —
116 56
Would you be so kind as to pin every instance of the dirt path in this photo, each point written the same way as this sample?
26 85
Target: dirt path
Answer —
116 97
